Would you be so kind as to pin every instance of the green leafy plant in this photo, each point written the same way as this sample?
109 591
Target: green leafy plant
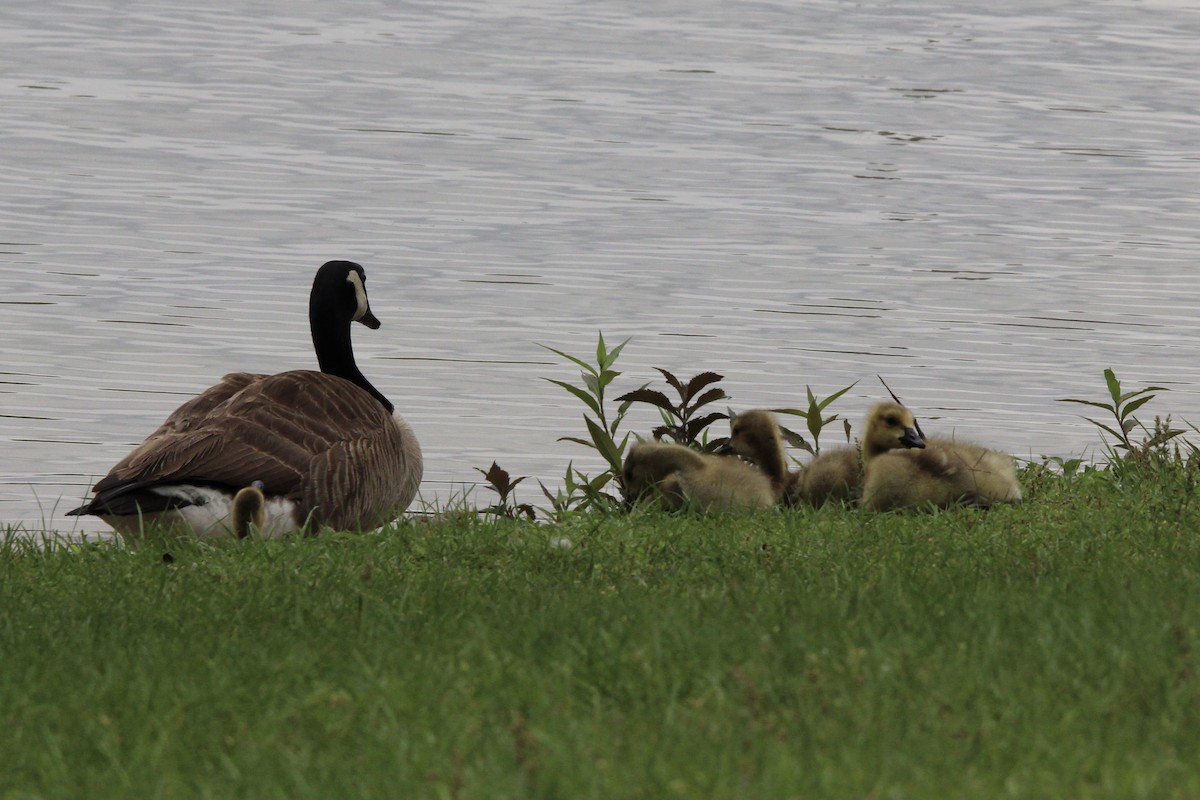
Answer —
579 491
1123 404
601 427
815 419
500 482
682 421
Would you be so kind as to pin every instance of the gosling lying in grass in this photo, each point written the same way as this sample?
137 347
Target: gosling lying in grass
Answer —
833 476
902 469
673 477
755 437
248 512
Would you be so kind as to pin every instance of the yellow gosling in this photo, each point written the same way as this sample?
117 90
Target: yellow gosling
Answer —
755 437
673 477
833 476
904 470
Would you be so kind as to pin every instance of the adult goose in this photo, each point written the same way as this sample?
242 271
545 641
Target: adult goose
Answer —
903 469
326 446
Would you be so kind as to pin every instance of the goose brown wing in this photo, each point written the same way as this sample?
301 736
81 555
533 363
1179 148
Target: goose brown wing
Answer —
190 413
269 430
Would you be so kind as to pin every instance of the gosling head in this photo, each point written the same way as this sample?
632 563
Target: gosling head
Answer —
648 464
249 509
891 426
754 435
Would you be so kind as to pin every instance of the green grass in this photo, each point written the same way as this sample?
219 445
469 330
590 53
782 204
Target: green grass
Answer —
1046 650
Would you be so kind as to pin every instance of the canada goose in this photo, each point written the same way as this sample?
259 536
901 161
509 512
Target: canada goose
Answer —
248 512
937 472
673 477
755 436
326 445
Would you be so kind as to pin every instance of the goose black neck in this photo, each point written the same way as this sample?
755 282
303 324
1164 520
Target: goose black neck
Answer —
335 354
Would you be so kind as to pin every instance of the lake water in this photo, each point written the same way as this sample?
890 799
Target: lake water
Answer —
985 206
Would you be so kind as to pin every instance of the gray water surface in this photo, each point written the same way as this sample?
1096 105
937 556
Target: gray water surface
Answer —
985 206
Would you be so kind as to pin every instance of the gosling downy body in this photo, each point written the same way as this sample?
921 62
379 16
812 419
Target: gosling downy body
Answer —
327 446
248 512
902 469
834 476
755 437
673 477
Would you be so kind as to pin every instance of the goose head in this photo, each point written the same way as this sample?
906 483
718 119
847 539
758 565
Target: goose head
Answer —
890 426
339 298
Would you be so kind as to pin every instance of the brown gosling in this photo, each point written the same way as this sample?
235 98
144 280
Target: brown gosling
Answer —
902 469
248 512
673 477
755 437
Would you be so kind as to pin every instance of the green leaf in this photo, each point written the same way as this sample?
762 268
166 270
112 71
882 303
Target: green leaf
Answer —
650 396
815 423
671 379
1105 406
600 481
583 364
604 444
663 430
607 376
1102 426
712 395
580 393
1114 385
698 382
616 351
796 440
825 403
1135 405
1129 395
576 440
593 385
695 426
795 412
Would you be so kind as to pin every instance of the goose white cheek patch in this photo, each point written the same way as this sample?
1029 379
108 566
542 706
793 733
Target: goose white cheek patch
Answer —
360 293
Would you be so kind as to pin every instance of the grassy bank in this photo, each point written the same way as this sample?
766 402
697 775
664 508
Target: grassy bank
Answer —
1046 650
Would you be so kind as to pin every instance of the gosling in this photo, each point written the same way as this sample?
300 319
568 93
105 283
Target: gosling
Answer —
904 470
755 437
833 476
673 477
248 512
